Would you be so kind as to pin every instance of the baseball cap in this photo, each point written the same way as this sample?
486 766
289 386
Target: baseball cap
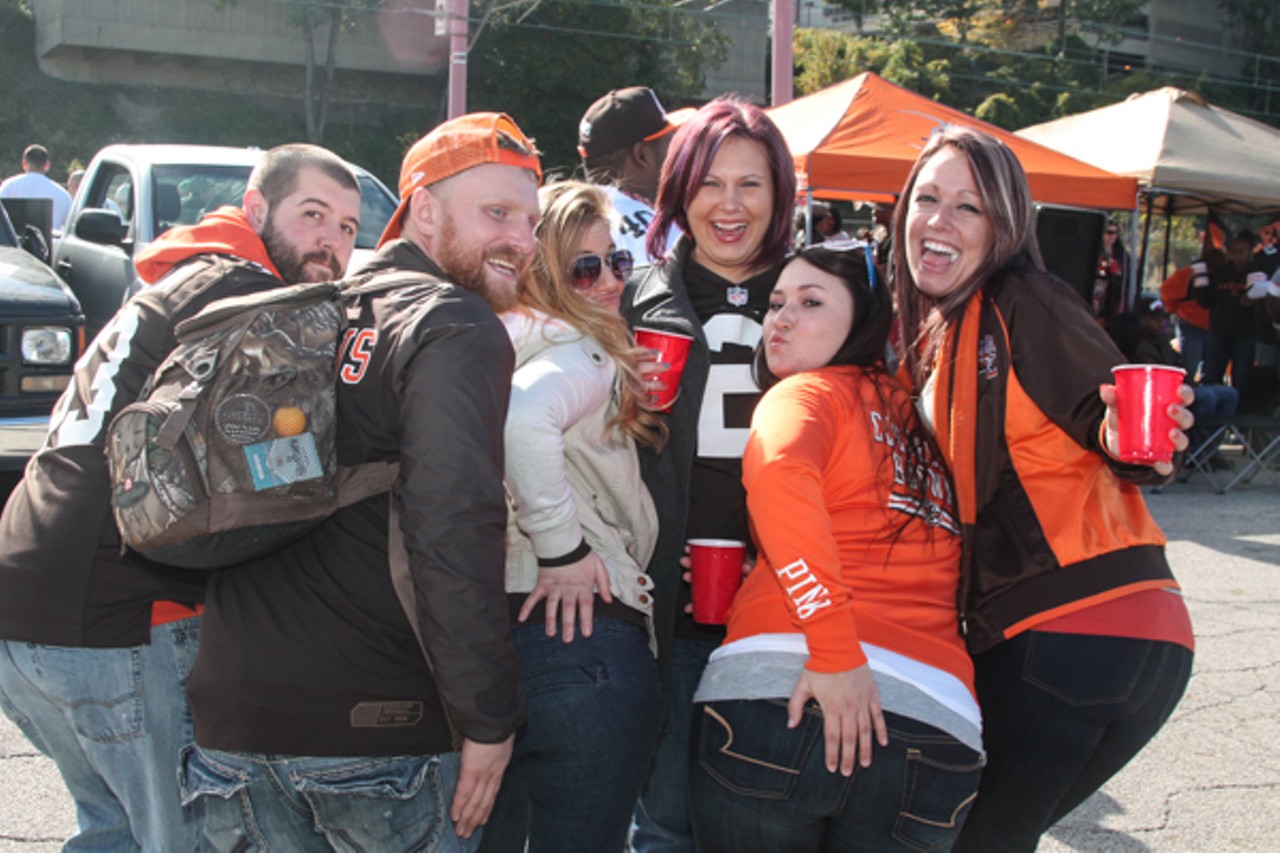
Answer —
624 117
455 146
1148 304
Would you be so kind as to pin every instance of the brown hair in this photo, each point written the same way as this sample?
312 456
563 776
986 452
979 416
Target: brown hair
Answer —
1006 200
276 175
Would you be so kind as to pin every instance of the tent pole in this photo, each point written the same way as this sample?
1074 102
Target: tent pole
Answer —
1139 273
808 216
1168 234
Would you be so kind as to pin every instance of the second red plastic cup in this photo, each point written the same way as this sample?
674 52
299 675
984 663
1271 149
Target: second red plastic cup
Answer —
673 350
717 574
1144 393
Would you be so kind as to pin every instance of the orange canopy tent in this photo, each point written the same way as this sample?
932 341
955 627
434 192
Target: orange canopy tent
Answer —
861 137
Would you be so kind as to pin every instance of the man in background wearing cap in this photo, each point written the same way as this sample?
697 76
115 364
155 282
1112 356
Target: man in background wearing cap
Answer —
623 139
318 717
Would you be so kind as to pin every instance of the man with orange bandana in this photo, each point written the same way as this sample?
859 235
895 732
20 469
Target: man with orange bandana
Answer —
96 643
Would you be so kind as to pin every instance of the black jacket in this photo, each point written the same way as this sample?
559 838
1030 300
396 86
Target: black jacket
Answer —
656 299
308 652
63 580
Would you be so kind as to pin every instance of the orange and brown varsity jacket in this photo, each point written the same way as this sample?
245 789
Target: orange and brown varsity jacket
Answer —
1052 523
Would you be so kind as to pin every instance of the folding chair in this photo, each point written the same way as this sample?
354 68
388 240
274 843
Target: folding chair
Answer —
1196 460
1259 438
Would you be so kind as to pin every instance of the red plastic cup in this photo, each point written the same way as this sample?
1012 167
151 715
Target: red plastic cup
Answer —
1144 393
672 349
717 574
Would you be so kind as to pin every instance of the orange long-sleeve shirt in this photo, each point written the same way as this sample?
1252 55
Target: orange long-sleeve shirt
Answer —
1175 293
846 554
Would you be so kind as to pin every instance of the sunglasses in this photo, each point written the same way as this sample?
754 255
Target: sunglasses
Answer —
868 248
1112 231
586 270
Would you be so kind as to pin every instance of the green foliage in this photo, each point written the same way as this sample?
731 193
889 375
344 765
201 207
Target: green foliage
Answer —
826 57
36 108
74 120
973 55
544 63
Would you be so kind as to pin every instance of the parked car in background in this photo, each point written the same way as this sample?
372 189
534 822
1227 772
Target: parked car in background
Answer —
41 336
132 194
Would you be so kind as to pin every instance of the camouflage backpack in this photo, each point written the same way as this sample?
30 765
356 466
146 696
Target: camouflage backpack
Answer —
230 451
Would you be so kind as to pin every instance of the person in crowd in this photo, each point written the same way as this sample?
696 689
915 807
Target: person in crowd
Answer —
1231 310
359 688
623 139
1264 381
1143 336
840 712
1177 292
34 182
73 183
1081 641
728 184
826 224
1113 274
830 227
97 643
579 536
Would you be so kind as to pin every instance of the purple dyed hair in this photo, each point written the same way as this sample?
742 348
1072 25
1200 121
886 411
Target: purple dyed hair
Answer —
689 158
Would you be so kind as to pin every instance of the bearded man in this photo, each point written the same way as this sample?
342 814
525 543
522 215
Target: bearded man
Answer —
334 705
97 643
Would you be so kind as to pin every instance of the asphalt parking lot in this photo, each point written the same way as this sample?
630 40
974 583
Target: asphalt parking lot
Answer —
1209 782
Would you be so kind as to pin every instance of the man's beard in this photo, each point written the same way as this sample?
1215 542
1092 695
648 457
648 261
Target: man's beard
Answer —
292 264
466 267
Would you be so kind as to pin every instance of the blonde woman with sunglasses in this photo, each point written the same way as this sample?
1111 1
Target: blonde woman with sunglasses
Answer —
581 529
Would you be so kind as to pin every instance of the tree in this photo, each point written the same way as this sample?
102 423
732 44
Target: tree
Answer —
546 61
1258 22
314 17
826 57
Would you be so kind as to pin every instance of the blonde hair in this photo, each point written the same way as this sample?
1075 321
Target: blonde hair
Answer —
569 210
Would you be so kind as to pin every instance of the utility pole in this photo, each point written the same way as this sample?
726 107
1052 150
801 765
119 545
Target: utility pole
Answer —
784 15
451 20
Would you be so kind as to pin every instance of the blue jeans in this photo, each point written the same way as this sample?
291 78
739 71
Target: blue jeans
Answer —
662 814
1223 351
760 786
580 758
115 722
273 803
1194 345
1062 713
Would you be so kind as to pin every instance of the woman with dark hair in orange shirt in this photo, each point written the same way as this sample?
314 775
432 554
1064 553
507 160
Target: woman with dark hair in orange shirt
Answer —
846 632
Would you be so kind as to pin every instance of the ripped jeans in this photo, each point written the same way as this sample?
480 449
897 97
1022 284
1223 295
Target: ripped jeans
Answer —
758 786
265 803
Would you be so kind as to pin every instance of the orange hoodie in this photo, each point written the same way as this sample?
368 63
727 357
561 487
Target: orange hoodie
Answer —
226 231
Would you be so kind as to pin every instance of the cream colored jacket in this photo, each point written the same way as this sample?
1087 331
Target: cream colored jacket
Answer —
569 477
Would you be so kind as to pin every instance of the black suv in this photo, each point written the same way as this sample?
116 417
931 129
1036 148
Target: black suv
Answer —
41 335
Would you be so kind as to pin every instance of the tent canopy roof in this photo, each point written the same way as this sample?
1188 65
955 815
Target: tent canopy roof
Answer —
864 135
1188 153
